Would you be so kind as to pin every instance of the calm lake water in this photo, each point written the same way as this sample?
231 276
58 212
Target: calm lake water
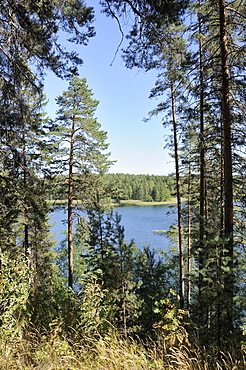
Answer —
139 224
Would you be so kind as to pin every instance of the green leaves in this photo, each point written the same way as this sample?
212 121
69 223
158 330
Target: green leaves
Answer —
15 288
172 326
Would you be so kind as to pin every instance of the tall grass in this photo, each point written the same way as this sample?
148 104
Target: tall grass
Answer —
106 353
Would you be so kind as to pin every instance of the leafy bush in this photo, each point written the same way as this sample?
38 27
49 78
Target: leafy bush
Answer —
15 287
75 313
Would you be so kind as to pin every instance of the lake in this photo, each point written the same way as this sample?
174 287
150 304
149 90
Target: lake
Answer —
139 224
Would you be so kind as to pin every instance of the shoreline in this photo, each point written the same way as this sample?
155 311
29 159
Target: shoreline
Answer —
141 203
119 203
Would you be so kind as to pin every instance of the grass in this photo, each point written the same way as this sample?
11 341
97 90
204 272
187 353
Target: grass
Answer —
140 203
109 353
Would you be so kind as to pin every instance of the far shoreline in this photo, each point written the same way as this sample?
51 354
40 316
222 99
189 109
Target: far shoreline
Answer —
141 203
119 203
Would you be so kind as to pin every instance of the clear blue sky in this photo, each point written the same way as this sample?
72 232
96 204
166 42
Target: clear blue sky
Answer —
123 94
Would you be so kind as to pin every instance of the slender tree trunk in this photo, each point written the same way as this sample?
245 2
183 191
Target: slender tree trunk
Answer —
202 180
180 233
26 229
123 283
124 307
189 242
36 258
70 209
26 237
228 186
219 253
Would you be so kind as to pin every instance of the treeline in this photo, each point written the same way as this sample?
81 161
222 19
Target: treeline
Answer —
121 186
143 187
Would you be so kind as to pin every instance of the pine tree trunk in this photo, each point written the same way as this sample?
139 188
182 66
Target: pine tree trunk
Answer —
219 253
122 277
228 186
189 241
70 210
180 234
26 231
124 319
202 179
36 258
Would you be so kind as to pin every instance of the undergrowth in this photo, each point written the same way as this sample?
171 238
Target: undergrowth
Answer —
54 352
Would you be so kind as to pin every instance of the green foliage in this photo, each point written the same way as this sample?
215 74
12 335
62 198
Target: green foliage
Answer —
172 326
152 277
201 65
143 187
29 32
37 38
76 125
80 150
15 288
75 313
121 186
111 259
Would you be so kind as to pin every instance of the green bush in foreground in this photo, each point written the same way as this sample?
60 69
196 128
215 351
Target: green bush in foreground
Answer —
15 282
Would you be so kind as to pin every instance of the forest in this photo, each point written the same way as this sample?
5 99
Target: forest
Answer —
97 301
148 188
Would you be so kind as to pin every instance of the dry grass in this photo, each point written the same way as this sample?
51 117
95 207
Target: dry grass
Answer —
56 354
187 359
110 353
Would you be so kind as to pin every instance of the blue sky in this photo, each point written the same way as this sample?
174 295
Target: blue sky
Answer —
123 94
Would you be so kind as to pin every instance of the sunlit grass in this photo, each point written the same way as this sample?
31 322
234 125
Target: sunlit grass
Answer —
118 203
108 353
133 202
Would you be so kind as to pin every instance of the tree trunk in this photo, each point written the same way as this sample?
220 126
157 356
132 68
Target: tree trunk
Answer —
180 233
70 210
124 319
228 186
26 229
36 258
202 180
189 241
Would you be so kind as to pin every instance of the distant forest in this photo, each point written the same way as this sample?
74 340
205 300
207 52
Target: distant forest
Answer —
121 186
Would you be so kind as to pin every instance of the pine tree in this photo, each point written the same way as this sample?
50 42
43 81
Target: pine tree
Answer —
127 304
30 32
23 159
214 58
151 273
170 76
81 143
29 37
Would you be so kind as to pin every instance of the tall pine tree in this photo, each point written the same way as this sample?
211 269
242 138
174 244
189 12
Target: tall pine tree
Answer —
81 148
